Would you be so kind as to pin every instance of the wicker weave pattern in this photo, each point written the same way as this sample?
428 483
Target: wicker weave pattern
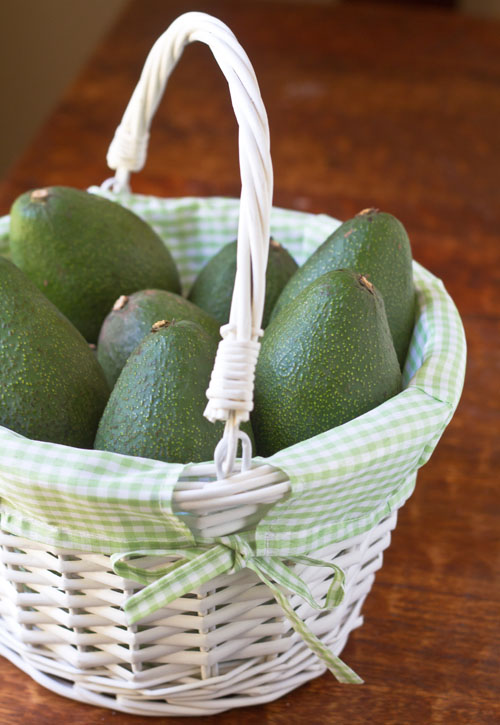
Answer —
61 614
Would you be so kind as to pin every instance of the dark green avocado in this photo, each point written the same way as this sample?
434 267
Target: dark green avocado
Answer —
213 288
326 358
156 407
376 245
131 320
51 386
83 251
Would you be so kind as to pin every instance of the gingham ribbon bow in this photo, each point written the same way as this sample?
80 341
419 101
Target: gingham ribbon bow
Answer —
197 565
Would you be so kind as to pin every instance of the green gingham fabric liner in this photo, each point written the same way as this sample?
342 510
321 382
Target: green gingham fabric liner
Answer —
343 481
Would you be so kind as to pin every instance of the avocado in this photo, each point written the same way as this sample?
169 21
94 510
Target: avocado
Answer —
131 319
51 386
156 407
213 288
327 357
83 251
376 245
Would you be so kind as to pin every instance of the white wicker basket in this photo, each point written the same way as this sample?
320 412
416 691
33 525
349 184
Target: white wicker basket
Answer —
225 643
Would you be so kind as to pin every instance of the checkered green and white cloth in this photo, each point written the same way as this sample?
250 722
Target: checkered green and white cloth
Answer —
343 481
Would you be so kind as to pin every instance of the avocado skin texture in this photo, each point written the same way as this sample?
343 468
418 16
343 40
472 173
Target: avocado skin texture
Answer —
376 245
125 327
213 288
51 386
326 358
156 407
83 251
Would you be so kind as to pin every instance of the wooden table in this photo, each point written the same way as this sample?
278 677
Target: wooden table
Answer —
369 105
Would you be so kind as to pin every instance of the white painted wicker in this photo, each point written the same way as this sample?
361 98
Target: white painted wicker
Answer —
226 644
230 393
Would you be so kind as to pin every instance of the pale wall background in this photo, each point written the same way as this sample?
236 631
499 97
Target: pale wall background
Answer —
43 45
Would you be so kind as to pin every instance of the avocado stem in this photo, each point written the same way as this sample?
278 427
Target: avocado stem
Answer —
161 324
39 195
120 303
368 210
366 283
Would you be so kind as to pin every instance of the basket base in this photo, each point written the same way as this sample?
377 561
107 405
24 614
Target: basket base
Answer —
76 690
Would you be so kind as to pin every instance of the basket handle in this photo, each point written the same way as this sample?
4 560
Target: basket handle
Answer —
230 393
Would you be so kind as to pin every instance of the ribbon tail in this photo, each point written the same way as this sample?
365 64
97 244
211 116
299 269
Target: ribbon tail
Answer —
336 590
178 582
342 672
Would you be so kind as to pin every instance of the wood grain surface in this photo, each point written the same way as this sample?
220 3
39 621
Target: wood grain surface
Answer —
369 105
